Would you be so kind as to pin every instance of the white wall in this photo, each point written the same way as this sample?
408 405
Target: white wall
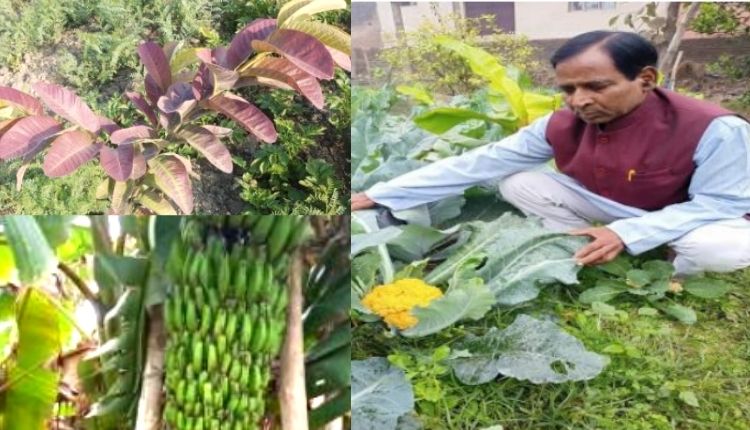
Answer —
551 20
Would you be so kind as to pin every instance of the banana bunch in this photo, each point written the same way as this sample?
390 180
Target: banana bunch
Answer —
225 317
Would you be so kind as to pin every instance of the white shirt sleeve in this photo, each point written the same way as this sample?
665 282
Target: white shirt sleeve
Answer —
719 190
523 150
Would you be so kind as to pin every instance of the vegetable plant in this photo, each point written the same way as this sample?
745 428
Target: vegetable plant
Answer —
184 88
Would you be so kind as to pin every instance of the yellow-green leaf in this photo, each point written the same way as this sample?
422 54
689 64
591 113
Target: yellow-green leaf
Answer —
296 8
327 34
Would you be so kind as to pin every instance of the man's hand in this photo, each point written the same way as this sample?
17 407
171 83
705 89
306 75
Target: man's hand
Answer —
361 201
606 246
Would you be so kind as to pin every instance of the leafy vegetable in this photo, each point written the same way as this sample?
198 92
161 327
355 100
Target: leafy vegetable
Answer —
528 349
518 256
380 395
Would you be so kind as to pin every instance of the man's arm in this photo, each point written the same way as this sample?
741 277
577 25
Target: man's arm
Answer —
523 150
719 190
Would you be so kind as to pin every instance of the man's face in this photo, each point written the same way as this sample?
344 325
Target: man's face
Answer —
596 91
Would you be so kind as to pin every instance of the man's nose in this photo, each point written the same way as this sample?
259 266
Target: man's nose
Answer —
579 98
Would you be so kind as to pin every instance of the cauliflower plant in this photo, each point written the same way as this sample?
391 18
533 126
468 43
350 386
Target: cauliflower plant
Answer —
394 301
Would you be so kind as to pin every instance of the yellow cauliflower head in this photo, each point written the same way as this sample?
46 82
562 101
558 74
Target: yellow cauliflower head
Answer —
394 302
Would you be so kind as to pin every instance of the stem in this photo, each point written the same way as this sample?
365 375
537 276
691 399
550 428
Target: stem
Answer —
87 293
292 393
150 402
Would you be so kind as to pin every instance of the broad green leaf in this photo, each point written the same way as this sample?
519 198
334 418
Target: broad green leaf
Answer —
637 278
469 300
682 313
604 291
658 269
706 288
380 394
528 349
171 177
520 257
415 241
603 309
442 119
539 105
78 244
32 254
417 91
647 311
487 66
361 242
32 390
367 221
618 267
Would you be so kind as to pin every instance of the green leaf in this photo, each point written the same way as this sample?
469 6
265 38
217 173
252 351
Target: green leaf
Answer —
682 313
417 91
442 119
688 397
520 257
33 256
603 292
7 264
528 349
603 309
647 311
470 300
618 267
706 288
380 394
658 269
638 278
32 391
79 243
56 228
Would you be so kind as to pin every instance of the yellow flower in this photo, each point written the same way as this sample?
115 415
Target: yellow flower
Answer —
395 301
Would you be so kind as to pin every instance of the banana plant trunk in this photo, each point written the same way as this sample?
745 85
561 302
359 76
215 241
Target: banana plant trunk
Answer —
150 401
292 392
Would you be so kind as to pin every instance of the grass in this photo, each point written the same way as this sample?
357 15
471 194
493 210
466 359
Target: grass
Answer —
73 194
656 363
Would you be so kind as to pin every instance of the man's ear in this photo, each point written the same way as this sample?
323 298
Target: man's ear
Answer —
648 77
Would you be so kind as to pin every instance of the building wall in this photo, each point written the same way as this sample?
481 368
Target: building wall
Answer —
552 20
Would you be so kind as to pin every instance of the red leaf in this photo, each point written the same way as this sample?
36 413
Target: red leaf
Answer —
139 165
305 51
172 178
222 79
218 131
141 104
202 87
68 152
153 92
28 136
108 125
341 59
118 162
208 145
178 99
21 100
68 105
156 63
240 47
281 69
128 135
249 116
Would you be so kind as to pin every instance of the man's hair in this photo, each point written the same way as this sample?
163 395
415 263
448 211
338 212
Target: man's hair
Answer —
629 51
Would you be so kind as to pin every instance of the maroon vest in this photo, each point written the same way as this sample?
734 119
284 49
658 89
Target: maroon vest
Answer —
643 159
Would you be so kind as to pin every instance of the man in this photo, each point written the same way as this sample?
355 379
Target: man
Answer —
653 166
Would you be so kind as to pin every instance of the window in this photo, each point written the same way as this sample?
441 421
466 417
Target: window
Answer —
575 6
